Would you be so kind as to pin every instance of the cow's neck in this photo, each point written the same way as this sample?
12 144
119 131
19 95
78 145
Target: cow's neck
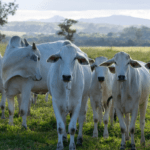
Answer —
127 86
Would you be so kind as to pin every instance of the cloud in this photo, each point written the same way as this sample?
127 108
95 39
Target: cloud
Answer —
23 15
82 5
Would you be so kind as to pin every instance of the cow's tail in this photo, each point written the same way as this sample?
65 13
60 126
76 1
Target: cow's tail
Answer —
115 115
108 100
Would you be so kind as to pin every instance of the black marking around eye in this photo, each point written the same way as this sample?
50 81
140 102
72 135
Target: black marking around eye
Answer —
34 58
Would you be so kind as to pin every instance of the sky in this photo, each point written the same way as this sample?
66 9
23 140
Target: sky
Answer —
75 9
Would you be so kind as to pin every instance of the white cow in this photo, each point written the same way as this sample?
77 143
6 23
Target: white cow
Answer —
69 80
20 66
100 91
2 91
131 89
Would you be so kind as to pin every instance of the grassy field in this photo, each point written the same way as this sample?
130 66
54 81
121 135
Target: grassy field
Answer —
42 134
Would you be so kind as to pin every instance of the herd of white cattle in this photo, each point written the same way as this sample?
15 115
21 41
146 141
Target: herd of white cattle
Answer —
62 69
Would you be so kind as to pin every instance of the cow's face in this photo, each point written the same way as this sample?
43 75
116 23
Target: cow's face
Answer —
32 62
122 61
100 71
68 57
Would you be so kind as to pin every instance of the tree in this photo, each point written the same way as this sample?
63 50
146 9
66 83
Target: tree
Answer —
5 10
66 31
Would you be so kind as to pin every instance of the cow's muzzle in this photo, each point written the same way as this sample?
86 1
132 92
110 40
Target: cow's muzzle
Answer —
121 78
66 78
101 79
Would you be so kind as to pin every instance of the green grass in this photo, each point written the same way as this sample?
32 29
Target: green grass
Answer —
42 134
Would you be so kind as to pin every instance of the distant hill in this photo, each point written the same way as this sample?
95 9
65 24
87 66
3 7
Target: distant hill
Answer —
53 19
115 20
32 27
118 20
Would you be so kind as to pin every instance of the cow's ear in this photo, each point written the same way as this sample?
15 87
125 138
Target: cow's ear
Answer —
147 65
82 59
134 64
107 63
91 61
112 69
93 66
54 58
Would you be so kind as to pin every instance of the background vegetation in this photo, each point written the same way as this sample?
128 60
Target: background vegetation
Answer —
42 134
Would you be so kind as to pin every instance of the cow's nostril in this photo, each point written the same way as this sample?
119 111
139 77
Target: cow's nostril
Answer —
101 79
66 78
121 77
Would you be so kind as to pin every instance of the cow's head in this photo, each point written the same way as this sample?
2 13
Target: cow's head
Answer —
68 57
26 58
122 61
101 72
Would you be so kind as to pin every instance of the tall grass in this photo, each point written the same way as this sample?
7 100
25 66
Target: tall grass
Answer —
42 134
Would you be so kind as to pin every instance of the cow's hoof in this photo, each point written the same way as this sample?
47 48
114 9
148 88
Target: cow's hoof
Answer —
3 117
133 147
95 135
65 139
127 138
79 141
122 147
59 146
72 147
105 136
25 127
142 142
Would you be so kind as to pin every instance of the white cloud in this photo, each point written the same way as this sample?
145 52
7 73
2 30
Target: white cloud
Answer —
22 15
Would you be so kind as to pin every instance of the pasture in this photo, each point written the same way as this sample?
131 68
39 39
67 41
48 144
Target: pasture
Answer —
42 134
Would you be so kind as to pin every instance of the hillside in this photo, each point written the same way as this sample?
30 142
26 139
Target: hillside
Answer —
52 27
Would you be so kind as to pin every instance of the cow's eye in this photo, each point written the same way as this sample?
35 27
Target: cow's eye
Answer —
34 58
115 63
38 58
60 57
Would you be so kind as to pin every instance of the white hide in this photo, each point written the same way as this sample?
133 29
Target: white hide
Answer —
69 96
100 91
131 89
24 86
20 66
2 91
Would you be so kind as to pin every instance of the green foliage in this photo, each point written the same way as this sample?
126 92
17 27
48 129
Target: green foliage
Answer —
42 133
66 30
5 10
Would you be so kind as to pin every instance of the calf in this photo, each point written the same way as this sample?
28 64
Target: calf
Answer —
130 91
100 91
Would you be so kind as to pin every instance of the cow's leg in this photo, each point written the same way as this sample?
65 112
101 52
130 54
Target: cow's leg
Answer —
132 126
111 114
127 121
3 101
100 114
82 116
11 109
46 97
60 125
19 102
106 119
142 109
29 106
72 125
35 98
122 126
25 98
95 116
65 133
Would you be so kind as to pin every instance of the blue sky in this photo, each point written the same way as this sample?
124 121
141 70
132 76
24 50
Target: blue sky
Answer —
42 9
